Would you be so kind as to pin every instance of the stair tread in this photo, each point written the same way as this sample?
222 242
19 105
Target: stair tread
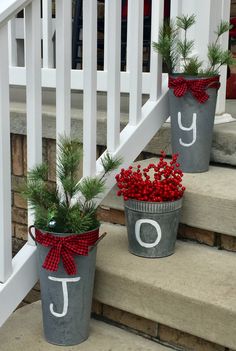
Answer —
223 143
193 290
209 200
26 323
50 111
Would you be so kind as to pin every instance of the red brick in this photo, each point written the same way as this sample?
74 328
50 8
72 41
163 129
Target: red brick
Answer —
111 215
21 231
188 342
19 201
228 242
130 320
51 157
19 215
25 155
97 307
17 155
196 234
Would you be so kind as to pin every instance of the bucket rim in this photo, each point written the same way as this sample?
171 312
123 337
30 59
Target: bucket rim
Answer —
187 76
153 207
67 234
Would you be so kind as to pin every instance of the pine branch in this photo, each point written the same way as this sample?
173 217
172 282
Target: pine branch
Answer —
193 66
91 187
38 173
185 48
53 209
166 45
70 153
110 163
185 21
217 58
222 28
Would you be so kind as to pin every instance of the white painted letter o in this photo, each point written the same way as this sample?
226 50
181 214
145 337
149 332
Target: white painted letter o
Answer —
137 233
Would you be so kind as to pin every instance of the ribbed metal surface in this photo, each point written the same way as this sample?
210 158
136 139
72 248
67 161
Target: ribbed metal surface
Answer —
153 207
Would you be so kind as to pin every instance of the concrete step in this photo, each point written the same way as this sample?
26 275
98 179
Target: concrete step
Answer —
23 331
192 291
209 199
18 121
223 148
223 143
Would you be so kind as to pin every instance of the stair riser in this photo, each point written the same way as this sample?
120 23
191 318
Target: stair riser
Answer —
185 232
152 330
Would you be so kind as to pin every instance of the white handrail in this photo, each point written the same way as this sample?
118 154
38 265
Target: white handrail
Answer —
10 8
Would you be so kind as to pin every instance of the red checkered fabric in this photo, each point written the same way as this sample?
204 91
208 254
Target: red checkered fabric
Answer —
65 248
196 87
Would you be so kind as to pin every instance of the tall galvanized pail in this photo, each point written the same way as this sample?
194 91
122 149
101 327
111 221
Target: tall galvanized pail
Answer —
192 125
152 227
66 299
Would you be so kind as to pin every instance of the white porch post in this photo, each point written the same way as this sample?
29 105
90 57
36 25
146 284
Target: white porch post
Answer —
208 13
5 167
33 89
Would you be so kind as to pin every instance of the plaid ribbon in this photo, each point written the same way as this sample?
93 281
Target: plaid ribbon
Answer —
196 87
65 248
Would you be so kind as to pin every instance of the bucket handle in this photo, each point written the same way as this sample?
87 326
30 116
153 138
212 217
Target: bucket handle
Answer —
30 232
90 248
98 241
212 83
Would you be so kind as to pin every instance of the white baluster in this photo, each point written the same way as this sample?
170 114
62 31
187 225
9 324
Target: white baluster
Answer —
5 157
175 8
106 34
47 34
90 86
113 69
135 58
221 101
33 87
155 58
12 42
63 66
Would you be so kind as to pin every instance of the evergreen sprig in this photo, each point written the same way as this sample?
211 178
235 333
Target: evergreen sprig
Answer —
54 206
166 45
185 22
109 163
177 52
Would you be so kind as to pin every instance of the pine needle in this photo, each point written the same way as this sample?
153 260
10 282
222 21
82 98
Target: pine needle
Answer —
185 21
110 163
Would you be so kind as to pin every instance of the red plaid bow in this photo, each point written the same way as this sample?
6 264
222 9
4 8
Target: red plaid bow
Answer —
65 248
196 87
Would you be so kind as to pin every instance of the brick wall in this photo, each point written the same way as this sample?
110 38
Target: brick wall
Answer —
19 172
152 330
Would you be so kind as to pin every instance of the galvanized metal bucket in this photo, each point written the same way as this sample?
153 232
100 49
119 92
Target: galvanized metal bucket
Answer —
66 299
152 227
192 125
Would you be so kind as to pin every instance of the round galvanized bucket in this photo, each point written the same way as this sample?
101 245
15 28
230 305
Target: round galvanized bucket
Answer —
192 125
152 227
66 299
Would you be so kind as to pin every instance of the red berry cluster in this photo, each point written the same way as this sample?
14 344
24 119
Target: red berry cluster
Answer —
163 183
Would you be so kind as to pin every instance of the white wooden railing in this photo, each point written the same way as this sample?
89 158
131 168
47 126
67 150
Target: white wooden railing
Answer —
209 13
18 275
